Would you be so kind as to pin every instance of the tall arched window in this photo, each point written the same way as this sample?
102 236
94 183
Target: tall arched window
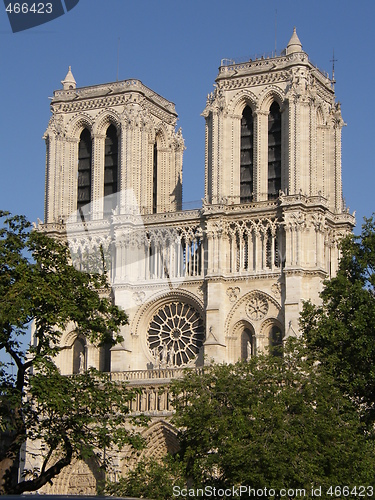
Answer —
274 151
246 162
110 169
84 169
155 179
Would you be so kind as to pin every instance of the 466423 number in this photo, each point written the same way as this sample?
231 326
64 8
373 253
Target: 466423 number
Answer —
24 8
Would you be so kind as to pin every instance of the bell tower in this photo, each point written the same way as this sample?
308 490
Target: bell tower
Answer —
105 140
273 125
273 172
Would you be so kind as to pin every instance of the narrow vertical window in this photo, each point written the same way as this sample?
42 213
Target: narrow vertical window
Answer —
246 161
155 180
110 169
84 169
274 151
276 341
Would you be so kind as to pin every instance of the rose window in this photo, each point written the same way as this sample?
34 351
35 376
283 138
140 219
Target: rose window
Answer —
175 334
257 307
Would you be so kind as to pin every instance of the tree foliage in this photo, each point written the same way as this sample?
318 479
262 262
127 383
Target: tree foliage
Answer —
151 479
75 416
271 421
341 332
274 421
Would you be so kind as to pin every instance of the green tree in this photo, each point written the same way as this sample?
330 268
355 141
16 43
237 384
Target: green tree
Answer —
341 331
151 479
74 416
274 421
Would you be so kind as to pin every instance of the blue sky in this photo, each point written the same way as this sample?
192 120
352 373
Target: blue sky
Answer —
175 47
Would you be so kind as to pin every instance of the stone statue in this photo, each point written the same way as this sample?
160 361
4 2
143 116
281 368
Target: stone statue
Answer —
152 406
81 362
171 357
156 357
164 356
249 350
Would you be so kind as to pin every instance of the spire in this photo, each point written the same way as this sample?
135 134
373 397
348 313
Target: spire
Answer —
69 82
294 44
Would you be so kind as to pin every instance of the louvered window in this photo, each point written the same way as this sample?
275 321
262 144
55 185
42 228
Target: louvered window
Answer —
274 151
110 169
84 169
246 161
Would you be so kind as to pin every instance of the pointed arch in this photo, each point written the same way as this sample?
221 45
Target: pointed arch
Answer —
78 478
78 124
272 330
161 135
161 438
269 96
104 119
319 116
240 101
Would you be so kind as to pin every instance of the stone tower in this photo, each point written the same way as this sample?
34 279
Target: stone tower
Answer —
273 179
108 139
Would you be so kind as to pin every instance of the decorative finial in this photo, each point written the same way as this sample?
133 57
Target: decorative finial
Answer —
69 82
294 44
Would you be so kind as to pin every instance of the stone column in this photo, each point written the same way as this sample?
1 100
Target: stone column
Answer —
97 176
260 181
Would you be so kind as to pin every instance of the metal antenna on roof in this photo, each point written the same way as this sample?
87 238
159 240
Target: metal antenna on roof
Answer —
333 60
118 57
275 30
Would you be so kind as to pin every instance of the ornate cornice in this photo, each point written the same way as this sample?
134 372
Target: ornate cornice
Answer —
253 81
116 88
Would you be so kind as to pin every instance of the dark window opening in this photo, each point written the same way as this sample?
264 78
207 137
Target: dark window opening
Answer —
246 160
276 341
84 169
274 151
247 345
110 169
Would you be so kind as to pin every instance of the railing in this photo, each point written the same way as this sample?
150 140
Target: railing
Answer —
161 374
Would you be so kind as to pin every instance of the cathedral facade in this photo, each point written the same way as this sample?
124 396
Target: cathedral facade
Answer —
220 283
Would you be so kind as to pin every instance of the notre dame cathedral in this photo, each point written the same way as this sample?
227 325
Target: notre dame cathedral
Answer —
220 283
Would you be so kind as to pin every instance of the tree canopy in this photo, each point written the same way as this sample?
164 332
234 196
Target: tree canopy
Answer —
274 421
271 421
340 333
74 416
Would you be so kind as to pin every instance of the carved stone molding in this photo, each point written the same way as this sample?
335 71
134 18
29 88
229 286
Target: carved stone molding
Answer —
139 297
233 292
257 307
